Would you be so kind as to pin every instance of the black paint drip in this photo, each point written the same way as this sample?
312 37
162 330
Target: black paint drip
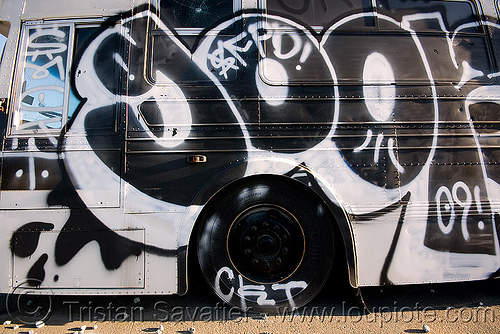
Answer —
25 239
36 274
83 227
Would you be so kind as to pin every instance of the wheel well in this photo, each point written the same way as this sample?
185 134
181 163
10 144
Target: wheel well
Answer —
342 246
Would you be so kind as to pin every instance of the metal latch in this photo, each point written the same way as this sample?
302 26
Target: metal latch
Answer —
195 159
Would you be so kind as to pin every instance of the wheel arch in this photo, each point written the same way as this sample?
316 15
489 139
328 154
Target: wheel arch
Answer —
340 220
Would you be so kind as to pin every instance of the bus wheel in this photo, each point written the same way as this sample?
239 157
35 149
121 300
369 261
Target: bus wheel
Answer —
266 247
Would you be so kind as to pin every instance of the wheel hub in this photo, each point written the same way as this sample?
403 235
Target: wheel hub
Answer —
266 244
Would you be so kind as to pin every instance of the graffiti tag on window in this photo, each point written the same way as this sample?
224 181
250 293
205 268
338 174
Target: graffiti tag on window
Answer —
42 83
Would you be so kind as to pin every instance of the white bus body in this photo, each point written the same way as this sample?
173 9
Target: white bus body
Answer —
270 138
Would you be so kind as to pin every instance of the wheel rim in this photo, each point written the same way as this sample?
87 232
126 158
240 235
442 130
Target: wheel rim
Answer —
266 244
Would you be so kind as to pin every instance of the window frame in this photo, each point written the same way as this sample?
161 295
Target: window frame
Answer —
156 31
379 30
194 31
20 73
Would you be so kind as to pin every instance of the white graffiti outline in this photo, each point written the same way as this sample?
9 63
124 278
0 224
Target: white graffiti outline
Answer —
405 25
51 49
454 198
255 290
465 205
369 134
230 275
259 291
288 290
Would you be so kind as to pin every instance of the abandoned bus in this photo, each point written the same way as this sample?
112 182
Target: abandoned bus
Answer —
266 141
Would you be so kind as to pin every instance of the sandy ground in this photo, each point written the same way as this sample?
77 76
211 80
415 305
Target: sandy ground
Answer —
443 308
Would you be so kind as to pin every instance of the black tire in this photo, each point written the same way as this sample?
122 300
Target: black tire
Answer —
266 246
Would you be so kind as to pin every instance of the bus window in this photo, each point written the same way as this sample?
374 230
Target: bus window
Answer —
318 14
42 78
421 15
83 36
195 13
291 56
188 20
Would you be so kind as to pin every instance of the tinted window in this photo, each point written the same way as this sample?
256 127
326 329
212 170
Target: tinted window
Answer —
318 14
42 78
429 15
195 13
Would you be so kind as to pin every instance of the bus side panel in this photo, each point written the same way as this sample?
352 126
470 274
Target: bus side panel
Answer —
153 113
